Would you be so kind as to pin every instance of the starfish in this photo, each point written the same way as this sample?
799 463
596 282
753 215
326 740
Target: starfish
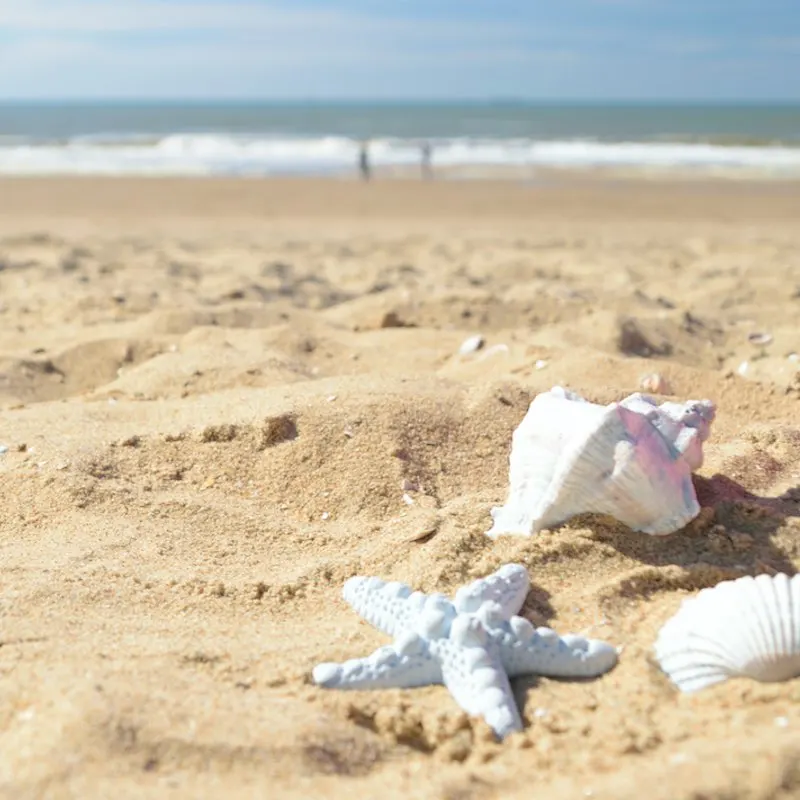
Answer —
472 645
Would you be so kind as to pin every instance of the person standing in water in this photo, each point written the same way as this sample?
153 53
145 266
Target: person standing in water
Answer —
427 154
363 162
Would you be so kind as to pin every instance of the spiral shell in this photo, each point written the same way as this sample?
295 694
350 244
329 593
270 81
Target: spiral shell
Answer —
633 460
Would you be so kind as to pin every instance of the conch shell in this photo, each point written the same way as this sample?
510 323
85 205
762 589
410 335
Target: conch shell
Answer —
632 460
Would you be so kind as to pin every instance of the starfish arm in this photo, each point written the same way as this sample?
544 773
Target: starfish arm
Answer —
542 651
507 587
475 677
404 664
390 607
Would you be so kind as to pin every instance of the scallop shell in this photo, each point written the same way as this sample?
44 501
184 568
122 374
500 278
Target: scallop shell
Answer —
632 460
748 627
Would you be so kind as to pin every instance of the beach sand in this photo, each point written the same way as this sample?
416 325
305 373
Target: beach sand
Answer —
214 394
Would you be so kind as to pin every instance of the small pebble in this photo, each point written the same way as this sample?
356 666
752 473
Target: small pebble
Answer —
325 515
759 338
471 345
409 486
742 541
408 500
782 722
540 364
3 449
742 368
793 357
656 383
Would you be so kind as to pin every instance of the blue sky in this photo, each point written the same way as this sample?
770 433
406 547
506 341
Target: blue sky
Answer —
427 49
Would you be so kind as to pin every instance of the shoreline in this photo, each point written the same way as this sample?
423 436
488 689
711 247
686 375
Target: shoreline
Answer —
466 173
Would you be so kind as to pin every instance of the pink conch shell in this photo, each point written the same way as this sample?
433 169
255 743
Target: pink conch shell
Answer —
633 460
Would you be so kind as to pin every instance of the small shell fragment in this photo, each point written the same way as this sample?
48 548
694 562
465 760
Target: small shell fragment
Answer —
759 338
471 345
656 383
493 350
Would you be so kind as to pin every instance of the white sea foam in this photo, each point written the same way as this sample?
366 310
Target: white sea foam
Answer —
207 154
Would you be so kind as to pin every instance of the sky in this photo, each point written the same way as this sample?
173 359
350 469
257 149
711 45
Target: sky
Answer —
553 50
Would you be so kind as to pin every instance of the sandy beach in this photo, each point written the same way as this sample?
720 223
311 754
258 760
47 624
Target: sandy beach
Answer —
214 395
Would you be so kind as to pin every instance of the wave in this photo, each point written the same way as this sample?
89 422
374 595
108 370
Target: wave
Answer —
220 154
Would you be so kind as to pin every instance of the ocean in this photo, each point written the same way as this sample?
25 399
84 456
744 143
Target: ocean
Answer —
259 139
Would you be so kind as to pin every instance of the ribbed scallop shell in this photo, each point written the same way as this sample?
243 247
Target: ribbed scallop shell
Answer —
749 627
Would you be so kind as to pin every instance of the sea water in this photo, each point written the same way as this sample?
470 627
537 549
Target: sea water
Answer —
324 138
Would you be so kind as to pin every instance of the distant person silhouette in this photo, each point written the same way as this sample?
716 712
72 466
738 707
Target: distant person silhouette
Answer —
427 155
363 162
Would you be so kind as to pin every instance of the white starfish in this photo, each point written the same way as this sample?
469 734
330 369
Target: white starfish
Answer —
472 645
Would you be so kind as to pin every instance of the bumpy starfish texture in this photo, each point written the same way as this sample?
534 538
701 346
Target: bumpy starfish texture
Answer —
472 645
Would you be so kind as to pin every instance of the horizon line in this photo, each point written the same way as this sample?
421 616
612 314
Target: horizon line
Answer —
489 100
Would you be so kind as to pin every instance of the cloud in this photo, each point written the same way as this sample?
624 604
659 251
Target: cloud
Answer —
226 17
244 48
327 48
690 45
92 16
249 20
